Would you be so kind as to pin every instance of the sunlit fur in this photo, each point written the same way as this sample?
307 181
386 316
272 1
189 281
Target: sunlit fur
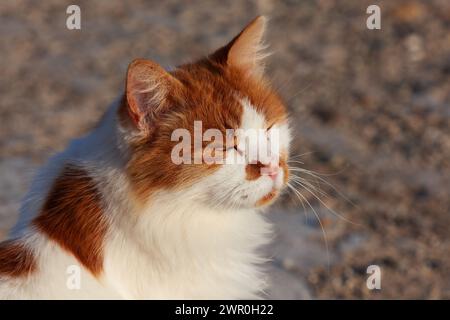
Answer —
160 230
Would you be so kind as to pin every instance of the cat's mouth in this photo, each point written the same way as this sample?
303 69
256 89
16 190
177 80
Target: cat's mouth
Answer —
268 198
279 182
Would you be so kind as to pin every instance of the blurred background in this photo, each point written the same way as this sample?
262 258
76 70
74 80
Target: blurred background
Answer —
370 110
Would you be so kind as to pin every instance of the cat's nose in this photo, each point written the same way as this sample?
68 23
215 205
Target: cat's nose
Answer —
271 169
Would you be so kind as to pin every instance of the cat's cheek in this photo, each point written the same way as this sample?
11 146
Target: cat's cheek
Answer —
281 179
257 190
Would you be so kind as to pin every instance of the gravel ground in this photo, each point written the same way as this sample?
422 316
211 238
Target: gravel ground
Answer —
371 111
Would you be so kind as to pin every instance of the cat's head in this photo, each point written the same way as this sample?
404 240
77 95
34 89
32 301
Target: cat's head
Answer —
225 90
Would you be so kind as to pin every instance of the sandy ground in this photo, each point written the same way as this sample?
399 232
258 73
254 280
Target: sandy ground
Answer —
370 109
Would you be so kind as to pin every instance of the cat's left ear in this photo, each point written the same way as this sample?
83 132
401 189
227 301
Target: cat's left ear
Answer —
148 88
247 50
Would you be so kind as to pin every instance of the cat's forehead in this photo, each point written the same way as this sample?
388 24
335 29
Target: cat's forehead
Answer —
226 96
251 118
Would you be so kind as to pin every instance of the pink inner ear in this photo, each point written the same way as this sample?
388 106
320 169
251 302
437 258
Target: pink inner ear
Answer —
247 50
133 109
147 87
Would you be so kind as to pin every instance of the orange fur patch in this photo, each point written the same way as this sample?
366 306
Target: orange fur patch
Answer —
267 198
284 166
253 171
72 216
16 260
205 97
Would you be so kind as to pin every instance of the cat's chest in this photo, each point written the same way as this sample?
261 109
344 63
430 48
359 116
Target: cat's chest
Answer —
196 265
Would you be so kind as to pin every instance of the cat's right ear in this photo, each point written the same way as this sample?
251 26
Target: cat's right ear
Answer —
247 50
147 88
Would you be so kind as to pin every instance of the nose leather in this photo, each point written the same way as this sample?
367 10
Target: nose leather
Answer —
271 170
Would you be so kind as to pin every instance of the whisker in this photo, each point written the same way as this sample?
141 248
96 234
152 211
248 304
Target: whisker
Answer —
299 92
301 155
317 176
307 183
290 187
298 193
331 210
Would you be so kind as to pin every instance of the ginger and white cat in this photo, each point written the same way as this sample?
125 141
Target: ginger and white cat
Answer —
138 226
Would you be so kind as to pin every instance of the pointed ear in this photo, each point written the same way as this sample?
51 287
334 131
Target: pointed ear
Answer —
246 50
147 89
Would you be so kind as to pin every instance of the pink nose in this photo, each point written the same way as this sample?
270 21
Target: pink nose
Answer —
271 170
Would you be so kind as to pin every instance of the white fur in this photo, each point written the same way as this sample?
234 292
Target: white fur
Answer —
197 243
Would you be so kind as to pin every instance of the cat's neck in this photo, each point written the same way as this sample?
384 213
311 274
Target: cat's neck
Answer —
169 240
174 220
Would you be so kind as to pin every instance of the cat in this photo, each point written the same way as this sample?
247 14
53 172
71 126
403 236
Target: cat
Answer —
113 217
